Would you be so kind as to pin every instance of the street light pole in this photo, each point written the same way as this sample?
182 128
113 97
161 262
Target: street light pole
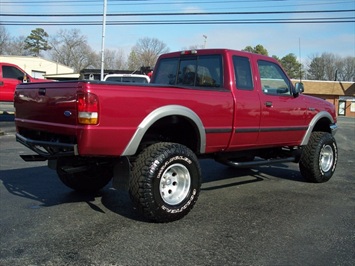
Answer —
205 41
103 41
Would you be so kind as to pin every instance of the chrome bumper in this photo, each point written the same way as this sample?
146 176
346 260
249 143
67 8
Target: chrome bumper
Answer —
334 128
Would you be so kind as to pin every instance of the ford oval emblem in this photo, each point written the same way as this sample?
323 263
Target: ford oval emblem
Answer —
67 113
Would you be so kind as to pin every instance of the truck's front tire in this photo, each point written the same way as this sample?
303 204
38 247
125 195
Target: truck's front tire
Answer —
165 182
93 177
319 158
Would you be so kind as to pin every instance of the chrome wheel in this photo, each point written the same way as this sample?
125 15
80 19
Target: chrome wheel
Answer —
326 158
175 184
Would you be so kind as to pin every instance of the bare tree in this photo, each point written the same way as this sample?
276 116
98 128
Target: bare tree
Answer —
4 39
348 70
134 62
331 67
114 59
17 46
71 48
316 69
146 52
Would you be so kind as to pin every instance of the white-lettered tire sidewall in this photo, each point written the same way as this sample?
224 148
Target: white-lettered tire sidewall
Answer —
310 162
193 191
328 174
147 172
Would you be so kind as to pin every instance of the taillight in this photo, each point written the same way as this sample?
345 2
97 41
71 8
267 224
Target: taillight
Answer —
88 108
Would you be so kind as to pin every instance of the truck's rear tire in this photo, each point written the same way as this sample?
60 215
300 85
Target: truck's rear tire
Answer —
319 158
165 182
90 180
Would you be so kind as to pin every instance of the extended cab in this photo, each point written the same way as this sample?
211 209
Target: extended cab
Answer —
238 108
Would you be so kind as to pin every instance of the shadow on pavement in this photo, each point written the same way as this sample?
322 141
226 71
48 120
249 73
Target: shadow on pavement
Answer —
42 185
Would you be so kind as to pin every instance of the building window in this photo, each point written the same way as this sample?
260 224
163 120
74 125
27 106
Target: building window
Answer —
352 106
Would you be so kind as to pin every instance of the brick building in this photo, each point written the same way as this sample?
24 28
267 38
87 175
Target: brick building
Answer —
341 94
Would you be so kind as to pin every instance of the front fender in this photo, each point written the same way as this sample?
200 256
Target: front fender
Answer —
332 125
159 113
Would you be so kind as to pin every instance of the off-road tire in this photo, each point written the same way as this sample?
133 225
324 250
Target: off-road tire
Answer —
165 182
97 176
319 157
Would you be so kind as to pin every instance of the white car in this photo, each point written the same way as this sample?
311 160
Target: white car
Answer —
131 78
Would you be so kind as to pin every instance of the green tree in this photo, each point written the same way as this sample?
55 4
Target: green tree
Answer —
292 67
259 49
37 41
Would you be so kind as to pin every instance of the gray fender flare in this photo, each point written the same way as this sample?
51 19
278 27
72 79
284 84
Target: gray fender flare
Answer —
312 124
159 113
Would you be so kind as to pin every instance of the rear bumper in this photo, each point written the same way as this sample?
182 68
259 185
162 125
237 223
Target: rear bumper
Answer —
48 149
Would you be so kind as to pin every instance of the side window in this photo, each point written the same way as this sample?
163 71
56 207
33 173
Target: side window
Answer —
243 75
196 71
201 71
187 72
166 72
273 79
209 71
12 73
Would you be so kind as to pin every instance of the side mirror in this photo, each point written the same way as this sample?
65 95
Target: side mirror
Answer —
26 78
298 89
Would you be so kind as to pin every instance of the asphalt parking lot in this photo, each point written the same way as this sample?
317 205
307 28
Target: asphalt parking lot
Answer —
263 216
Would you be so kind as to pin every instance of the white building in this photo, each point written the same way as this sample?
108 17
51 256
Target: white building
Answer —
38 67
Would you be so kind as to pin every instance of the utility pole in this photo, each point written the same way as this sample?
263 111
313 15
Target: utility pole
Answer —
103 41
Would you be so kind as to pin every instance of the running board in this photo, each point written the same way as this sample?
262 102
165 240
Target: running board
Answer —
257 163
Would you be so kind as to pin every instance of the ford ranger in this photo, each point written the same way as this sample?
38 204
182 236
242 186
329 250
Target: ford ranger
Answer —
238 108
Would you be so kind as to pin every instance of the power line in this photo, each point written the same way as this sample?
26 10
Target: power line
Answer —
191 22
182 14
344 19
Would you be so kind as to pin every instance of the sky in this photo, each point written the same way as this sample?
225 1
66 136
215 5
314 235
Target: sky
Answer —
317 26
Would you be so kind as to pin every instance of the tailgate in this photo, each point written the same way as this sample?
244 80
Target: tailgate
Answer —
46 103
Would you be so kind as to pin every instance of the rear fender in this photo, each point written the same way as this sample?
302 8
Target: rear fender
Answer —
159 113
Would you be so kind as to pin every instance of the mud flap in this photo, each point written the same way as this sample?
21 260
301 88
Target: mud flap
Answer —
121 173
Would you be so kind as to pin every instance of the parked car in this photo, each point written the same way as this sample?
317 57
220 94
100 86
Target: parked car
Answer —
130 78
10 76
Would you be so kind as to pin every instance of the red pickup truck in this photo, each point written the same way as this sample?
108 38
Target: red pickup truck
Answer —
236 107
10 76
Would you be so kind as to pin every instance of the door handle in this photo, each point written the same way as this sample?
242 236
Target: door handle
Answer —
42 91
268 104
